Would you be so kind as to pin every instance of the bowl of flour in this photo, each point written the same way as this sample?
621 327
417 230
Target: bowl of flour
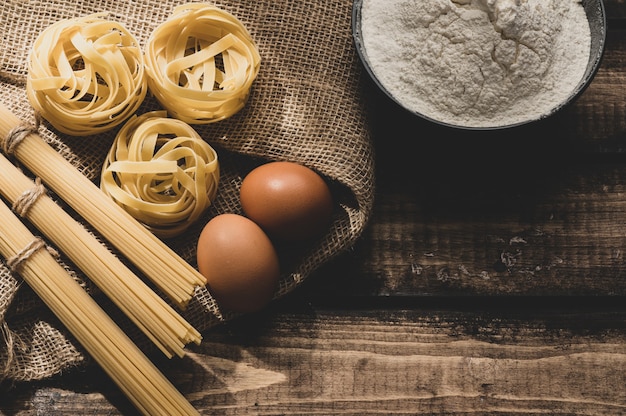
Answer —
480 64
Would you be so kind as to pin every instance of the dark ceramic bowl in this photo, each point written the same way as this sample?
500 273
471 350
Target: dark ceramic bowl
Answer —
597 21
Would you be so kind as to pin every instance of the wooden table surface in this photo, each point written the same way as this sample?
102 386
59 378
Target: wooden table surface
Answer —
490 280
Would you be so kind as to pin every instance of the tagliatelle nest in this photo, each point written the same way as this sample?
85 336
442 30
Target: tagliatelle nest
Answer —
201 63
86 75
313 117
161 172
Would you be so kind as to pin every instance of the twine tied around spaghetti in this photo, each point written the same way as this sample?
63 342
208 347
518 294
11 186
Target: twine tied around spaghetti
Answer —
26 200
14 262
18 134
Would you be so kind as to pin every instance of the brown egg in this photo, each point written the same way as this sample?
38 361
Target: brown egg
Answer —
239 262
289 201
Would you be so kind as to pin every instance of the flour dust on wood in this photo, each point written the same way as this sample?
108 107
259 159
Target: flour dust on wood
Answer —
477 63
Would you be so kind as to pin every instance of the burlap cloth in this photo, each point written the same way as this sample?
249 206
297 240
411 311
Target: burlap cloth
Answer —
305 106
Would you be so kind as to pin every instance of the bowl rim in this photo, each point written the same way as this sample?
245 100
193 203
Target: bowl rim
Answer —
593 66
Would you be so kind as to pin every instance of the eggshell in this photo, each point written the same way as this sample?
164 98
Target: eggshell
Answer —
239 262
291 202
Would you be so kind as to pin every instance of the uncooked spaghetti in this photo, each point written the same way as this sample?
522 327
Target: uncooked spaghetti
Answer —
138 378
161 323
176 278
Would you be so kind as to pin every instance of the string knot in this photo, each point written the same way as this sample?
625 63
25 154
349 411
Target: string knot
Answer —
31 248
18 133
23 203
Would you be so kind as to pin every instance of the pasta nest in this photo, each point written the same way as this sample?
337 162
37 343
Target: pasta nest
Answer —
86 75
161 172
201 63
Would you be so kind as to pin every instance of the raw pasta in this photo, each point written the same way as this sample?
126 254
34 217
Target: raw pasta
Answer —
161 172
160 322
176 278
141 381
201 63
86 75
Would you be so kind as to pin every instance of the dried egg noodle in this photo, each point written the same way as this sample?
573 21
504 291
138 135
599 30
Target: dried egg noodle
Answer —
176 278
167 329
161 172
201 63
86 75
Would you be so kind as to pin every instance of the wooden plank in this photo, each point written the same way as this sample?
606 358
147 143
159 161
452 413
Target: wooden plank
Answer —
502 221
539 210
556 234
465 359
615 9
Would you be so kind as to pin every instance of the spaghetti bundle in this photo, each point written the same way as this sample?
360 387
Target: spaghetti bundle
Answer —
119 357
161 172
164 326
201 63
168 271
86 75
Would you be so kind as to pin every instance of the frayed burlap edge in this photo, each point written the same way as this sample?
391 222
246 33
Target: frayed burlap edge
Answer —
305 106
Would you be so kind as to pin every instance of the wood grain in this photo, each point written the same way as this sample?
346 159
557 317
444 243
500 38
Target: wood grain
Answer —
490 280
535 211
461 360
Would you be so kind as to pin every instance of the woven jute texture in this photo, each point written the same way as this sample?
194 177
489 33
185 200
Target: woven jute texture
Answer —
305 106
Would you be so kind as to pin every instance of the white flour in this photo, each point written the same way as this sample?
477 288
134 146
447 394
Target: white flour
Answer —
477 63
